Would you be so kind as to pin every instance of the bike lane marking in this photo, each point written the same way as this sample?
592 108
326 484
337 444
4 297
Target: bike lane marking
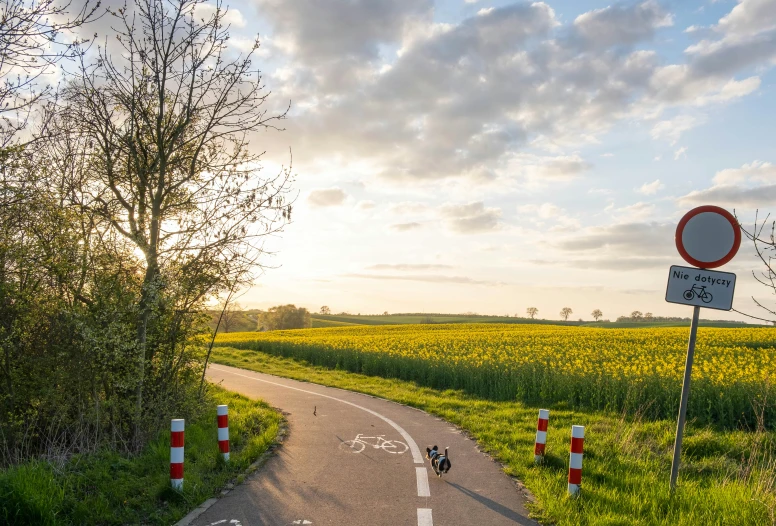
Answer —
424 514
422 475
416 456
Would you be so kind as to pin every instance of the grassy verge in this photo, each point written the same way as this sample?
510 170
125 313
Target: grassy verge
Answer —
107 488
727 477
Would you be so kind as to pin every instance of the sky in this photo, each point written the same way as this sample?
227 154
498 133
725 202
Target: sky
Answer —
489 156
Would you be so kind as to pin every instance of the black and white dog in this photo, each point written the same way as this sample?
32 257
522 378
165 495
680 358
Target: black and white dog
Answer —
439 463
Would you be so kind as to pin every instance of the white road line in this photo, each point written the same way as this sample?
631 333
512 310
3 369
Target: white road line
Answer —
422 475
416 456
424 517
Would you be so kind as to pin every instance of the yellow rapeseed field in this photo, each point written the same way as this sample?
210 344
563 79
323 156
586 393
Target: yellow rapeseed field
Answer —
613 369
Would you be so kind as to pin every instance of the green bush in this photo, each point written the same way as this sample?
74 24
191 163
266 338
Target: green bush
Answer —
108 488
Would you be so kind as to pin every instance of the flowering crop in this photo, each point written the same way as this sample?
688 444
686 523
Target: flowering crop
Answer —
613 369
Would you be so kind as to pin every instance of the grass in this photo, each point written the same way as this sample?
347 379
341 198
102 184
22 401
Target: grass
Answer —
107 488
726 478
319 323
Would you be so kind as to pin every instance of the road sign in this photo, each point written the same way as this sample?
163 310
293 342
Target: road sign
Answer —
708 236
700 288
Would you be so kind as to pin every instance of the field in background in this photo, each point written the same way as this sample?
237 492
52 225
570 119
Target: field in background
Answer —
631 370
336 320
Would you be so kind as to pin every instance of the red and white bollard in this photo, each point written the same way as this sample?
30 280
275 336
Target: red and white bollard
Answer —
176 453
541 435
223 430
575 460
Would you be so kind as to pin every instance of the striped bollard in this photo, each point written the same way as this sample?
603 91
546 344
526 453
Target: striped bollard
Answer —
541 435
575 460
223 430
176 453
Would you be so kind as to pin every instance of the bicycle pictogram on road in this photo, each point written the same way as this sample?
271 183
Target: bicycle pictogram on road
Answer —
358 444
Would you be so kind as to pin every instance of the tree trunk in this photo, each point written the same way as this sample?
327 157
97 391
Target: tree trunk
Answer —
147 299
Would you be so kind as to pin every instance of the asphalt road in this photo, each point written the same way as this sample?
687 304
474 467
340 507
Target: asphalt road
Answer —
360 460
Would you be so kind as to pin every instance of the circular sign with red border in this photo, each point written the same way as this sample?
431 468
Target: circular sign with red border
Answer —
708 236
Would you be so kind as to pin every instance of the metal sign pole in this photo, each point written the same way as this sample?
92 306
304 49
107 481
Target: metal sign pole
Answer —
685 396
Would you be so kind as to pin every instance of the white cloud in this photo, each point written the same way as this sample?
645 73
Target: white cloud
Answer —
405 227
408 208
680 152
470 218
464 100
366 205
756 171
635 212
752 185
233 16
651 188
327 197
621 24
623 240
673 129
749 17
538 214
732 195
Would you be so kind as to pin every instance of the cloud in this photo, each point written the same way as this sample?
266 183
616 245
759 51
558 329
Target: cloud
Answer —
623 240
651 188
465 100
426 278
324 30
549 212
757 171
752 185
470 218
408 208
680 152
366 205
405 227
621 24
749 17
408 267
233 16
612 263
732 195
673 129
327 197
635 212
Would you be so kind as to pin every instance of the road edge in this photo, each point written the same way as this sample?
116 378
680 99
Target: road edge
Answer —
522 488
242 477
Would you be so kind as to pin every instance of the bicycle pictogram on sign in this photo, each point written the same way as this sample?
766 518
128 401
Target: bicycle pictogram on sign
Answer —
700 292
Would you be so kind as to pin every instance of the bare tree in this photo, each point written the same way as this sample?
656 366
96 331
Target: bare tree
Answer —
325 310
763 238
231 312
565 313
532 311
597 314
31 40
648 316
636 315
164 124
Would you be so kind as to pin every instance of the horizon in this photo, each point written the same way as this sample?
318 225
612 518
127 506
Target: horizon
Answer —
478 155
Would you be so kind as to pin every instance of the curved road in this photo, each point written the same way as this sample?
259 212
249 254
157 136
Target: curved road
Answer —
360 460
